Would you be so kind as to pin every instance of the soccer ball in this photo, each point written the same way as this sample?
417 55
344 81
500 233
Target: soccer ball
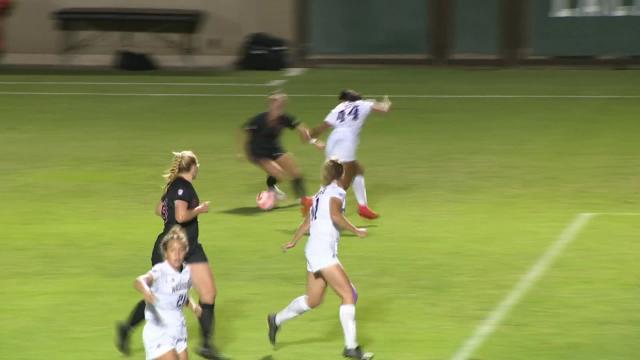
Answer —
266 200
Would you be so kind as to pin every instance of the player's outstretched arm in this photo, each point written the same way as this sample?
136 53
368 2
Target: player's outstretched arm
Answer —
318 130
305 136
302 229
339 219
142 284
382 106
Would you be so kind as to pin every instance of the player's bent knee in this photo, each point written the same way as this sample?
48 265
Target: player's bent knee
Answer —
314 302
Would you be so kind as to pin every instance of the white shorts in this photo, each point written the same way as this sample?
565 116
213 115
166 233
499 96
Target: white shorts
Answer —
341 147
158 340
318 260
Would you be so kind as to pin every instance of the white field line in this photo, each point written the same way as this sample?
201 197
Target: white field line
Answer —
52 93
127 83
288 73
486 328
276 82
295 71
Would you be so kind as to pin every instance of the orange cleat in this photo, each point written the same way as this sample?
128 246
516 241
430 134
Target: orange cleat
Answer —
306 203
365 212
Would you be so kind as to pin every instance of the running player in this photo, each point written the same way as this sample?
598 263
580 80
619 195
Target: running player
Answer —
166 290
347 120
324 221
261 144
180 205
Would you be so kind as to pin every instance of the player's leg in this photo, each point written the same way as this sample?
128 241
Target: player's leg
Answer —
170 355
360 192
275 173
288 164
272 168
338 280
315 293
124 329
184 355
204 283
350 169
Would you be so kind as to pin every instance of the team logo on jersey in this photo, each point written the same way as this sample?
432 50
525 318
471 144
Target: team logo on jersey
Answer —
180 191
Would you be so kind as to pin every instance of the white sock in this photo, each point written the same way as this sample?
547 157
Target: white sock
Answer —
359 190
348 321
297 307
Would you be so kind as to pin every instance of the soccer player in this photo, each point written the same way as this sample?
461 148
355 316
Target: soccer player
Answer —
324 221
166 290
180 205
347 120
260 139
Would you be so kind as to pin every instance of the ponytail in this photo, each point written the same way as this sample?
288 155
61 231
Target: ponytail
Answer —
182 162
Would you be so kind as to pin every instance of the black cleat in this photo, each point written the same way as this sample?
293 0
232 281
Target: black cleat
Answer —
273 328
356 354
122 338
210 352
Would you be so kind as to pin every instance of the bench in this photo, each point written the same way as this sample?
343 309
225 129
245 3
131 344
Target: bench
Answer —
127 20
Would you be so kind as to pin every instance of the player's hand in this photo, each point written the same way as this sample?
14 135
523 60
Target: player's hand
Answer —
361 232
196 308
203 207
149 297
289 245
319 145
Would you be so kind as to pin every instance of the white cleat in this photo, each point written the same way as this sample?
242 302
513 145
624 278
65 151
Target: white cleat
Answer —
280 195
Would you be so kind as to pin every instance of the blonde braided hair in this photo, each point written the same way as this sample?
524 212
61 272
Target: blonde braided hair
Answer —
182 162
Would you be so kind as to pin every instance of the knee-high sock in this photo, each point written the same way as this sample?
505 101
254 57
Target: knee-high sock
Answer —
137 314
360 190
297 307
271 182
298 187
207 322
348 321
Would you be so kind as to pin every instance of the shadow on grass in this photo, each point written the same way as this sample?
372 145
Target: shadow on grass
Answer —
254 210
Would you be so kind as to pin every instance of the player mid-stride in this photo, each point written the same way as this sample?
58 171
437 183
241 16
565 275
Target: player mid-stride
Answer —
346 120
166 291
323 222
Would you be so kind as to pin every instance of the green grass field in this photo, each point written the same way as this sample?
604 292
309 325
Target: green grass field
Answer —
472 191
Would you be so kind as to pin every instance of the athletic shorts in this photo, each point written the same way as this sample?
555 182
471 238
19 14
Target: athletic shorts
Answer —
341 147
159 340
195 254
320 258
271 154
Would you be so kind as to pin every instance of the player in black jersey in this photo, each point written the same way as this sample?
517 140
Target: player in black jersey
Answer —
261 142
180 205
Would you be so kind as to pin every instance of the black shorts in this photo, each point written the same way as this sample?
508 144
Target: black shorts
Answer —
195 254
271 154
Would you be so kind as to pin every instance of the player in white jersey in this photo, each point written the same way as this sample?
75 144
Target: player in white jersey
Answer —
346 120
323 222
166 291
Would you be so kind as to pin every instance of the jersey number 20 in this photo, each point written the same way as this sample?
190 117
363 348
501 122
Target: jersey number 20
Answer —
182 299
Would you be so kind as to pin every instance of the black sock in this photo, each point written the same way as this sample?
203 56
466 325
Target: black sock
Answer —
137 315
298 187
207 323
271 181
